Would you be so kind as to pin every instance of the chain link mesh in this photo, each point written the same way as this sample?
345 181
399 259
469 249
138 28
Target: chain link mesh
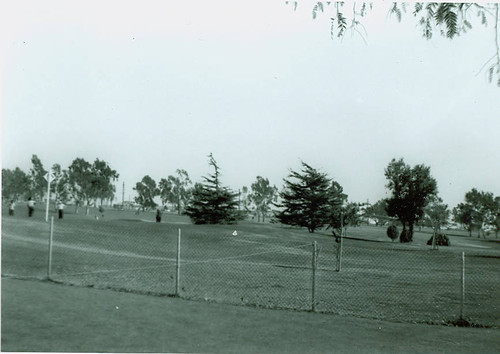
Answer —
382 280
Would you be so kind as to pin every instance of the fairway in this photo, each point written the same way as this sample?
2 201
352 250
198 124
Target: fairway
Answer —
265 265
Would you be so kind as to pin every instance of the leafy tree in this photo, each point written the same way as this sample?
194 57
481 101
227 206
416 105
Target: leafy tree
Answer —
146 192
307 199
80 181
262 195
59 187
378 212
90 182
175 190
344 215
448 19
462 214
479 210
211 202
244 202
411 190
15 183
437 213
102 186
496 216
38 183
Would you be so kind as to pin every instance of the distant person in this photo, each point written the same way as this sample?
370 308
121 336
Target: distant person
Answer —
12 207
158 215
60 209
101 210
31 207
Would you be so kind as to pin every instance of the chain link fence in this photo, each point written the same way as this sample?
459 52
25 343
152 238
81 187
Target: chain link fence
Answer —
353 277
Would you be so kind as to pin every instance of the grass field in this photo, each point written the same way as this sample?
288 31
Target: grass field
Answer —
46 317
266 265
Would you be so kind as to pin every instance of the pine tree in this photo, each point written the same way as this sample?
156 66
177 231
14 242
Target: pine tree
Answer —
212 203
308 201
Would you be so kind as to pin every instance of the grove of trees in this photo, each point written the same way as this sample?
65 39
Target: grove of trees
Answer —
90 183
83 182
309 198
480 211
15 184
175 190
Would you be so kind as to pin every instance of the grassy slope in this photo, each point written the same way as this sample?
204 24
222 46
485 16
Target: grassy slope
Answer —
41 316
379 279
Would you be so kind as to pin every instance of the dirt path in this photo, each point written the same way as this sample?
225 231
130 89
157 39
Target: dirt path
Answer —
42 316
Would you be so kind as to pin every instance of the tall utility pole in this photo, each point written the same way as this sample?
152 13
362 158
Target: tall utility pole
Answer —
123 195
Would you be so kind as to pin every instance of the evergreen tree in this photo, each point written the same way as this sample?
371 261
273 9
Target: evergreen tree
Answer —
212 203
308 199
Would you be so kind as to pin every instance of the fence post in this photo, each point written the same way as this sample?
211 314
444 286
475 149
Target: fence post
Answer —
178 264
314 264
51 233
463 287
339 251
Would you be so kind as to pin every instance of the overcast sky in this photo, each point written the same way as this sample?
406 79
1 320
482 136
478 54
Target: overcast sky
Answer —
155 86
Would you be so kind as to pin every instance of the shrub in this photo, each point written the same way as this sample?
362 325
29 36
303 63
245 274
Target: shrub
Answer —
405 236
392 232
441 240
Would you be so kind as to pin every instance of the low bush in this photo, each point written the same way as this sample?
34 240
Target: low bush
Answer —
392 232
441 240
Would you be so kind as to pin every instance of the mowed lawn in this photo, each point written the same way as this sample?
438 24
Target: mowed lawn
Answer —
265 265
47 317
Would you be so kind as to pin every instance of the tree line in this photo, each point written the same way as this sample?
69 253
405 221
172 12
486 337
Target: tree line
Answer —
309 198
209 201
83 182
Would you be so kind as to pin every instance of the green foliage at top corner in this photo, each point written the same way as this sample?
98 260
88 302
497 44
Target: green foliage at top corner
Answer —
448 19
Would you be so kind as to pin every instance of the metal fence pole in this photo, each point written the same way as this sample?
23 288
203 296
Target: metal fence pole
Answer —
178 264
51 233
314 263
339 255
463 287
